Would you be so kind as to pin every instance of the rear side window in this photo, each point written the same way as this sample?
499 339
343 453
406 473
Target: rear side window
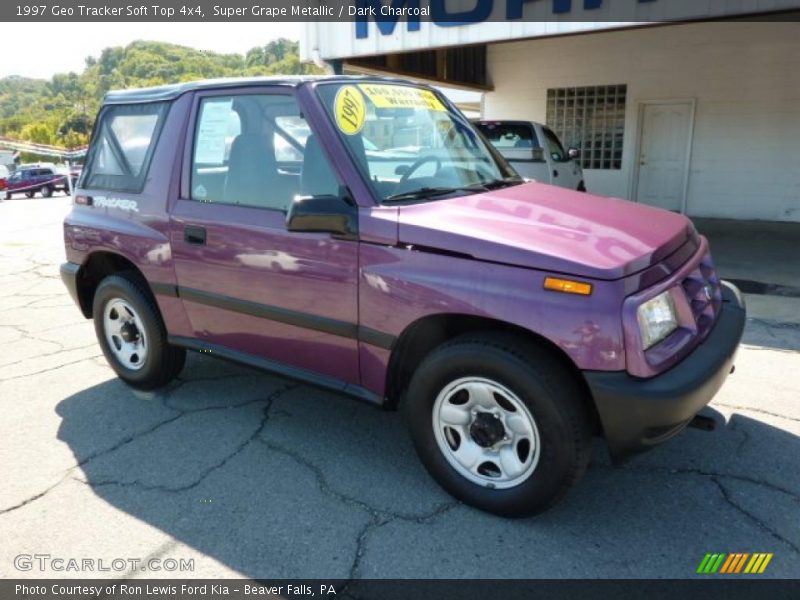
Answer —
123 146
515 141
509 135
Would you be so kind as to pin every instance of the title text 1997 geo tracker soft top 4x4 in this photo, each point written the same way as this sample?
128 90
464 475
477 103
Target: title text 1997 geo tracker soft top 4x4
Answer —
360 234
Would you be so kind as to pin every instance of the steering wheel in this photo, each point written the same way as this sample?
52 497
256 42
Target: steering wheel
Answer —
484 171
417 164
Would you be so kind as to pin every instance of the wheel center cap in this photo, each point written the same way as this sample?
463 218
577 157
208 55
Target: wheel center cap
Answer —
486 430
129 332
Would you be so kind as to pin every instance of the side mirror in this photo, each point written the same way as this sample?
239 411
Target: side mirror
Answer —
573 153
336 215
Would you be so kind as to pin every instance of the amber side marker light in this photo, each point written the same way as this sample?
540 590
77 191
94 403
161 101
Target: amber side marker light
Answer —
567 286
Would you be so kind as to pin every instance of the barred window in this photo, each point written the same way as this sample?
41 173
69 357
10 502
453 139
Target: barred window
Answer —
591 119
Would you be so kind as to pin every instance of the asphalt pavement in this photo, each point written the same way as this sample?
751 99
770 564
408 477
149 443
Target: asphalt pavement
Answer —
249 474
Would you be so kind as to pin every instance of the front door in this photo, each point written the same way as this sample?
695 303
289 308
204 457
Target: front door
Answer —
563 171
664 146
247 283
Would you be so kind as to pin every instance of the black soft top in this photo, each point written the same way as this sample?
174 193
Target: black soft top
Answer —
170 92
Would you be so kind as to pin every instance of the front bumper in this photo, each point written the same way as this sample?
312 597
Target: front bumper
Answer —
637 414
69 275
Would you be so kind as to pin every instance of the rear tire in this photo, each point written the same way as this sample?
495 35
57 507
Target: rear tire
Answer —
46 191
132 334
543 446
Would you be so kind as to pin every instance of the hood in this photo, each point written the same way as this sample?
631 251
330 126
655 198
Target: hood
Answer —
548 228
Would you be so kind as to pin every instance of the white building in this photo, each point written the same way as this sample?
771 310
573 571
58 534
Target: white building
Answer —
696 116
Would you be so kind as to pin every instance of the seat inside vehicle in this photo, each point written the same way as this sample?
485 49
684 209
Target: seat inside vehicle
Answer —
317 177
254 176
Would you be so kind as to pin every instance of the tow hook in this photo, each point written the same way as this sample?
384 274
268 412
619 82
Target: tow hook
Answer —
704 423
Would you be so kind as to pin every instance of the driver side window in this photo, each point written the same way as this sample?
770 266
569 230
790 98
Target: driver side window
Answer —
256 150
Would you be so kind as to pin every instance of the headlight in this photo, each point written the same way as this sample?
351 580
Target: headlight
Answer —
657 319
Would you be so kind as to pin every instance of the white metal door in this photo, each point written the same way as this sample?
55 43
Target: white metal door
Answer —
664 148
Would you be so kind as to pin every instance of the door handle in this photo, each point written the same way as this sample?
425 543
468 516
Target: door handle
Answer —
194 234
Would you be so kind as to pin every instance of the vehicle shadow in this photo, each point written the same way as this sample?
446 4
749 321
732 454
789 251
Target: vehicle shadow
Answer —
779 335
274 479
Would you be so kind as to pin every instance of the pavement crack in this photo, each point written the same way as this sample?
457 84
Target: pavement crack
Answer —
760 411
223 377
59 351
745 437
124 442
33 498
131 438
47 370
214 467
726 495
710 474
378 517
327 489
361 541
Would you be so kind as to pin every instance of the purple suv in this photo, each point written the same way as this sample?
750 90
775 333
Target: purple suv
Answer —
360 234
29 179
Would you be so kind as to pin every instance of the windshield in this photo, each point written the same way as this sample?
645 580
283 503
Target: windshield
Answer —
410 144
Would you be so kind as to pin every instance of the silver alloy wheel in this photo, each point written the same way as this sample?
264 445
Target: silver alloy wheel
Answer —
486 432
125 334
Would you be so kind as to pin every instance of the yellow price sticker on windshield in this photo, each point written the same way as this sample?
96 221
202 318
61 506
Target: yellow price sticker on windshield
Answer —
400 96
350 110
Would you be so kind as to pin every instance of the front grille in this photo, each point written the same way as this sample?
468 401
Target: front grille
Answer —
704 294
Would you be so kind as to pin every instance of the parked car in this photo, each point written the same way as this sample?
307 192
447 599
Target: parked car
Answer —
510 320
42 178
535 152
4 174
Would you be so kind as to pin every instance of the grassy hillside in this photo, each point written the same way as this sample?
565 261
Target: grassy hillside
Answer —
62 111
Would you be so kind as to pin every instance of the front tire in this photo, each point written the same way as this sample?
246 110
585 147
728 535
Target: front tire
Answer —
499 423
132 335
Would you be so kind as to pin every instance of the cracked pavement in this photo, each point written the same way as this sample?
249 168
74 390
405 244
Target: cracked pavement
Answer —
253 475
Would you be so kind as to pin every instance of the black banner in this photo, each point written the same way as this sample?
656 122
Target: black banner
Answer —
446 13
394 589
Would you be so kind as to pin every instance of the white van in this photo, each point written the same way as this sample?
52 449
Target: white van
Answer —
535 152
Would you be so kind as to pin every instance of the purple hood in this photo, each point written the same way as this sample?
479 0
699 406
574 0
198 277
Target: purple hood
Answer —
549 228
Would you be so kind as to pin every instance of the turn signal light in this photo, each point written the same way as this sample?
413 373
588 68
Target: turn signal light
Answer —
567 286
84 200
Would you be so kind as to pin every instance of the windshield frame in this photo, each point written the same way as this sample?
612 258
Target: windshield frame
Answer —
505 169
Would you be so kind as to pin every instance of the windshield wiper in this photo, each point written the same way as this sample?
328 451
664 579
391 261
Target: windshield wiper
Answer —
430 192
500 183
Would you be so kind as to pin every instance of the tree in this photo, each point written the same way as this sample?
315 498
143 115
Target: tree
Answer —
62 110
